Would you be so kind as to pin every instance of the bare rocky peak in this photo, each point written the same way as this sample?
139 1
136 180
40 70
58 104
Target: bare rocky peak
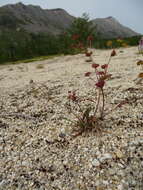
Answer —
110 28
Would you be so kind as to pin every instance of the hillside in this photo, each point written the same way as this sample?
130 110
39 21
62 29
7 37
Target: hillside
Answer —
34 19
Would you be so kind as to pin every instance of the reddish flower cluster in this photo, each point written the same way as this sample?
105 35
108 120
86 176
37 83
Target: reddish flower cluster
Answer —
100 84
75 36
100 73
113 53
90 38
87 74
104 66
94 65
88 54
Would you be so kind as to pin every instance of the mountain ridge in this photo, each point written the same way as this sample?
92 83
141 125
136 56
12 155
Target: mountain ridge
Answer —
34 19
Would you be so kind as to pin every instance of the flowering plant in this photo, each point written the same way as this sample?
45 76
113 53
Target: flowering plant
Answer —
90 111
89 40
140 75
140 46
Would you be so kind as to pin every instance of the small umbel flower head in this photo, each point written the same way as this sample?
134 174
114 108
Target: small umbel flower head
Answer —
94 65
100 84
87 74
90 38
113 53
88 54
104 66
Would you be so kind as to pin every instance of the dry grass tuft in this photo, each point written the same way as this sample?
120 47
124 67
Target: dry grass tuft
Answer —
40 66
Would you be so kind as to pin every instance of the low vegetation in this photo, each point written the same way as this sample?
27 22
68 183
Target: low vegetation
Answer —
17 44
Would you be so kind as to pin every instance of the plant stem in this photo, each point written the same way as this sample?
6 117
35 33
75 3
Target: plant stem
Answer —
97 104
103 101
80 109
108 64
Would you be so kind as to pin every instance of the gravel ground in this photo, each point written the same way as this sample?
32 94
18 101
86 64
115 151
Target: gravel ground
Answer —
37 151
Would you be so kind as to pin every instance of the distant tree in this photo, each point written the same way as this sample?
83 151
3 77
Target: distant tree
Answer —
81 29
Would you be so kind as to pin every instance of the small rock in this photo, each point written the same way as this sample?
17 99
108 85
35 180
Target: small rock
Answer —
3 183
25 163
98 153
106 156
112 172
121 173
95 163
62 135
120 187
119 154
105 182
120 165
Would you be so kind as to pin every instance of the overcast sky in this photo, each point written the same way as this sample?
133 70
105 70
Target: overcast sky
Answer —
127 12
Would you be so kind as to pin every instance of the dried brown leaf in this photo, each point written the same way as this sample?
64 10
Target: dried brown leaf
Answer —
140 62
140 75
